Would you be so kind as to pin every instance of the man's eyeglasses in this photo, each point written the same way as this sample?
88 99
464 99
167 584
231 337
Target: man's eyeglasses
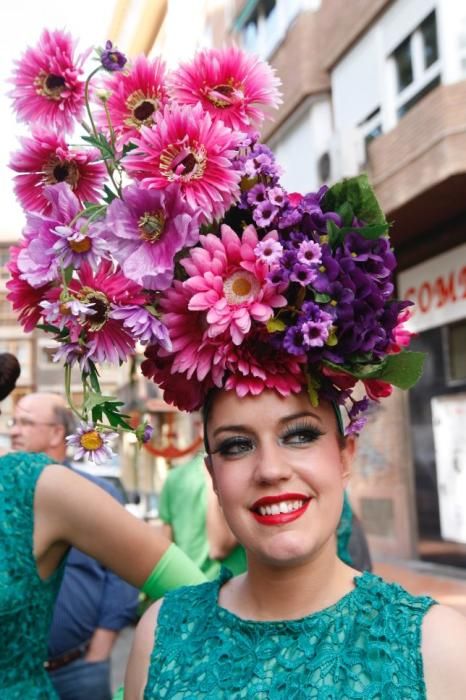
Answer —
25 422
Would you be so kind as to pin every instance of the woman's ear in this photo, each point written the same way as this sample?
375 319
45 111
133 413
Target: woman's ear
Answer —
347 456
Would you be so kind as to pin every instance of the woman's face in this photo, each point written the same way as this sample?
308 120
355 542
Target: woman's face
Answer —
279 471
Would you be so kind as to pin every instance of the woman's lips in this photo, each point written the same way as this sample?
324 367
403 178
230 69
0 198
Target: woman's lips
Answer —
280 509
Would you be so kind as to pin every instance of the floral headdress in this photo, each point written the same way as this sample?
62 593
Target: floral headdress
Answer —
203 257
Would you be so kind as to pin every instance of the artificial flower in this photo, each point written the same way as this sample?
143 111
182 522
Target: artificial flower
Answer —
111 59
91 443
230 84
48 85
187 147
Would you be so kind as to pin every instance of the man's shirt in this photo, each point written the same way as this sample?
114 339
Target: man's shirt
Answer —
90 596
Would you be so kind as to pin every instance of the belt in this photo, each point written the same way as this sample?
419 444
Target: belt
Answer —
66 658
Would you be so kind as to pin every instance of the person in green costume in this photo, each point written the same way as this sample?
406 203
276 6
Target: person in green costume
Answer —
45 509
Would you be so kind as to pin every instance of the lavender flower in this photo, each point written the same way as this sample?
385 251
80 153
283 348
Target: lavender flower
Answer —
78 243
91 443
111 59
72 353
303 274
264 214
309 252
142 324
256 195
269 251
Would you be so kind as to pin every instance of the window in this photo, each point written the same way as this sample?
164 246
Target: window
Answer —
456 334
417 65
263 23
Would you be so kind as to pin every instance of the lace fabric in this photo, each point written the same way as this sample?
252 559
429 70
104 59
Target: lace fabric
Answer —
366 646
26 602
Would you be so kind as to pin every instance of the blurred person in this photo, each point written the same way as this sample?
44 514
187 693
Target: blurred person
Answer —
193 519
93 604
44 510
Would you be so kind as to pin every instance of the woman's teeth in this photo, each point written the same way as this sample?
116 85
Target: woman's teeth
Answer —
281 507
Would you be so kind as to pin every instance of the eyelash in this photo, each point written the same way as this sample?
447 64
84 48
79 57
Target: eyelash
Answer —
310 431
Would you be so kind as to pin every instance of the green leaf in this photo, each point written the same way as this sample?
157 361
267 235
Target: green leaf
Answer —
403 369
347 214
48 328
68 273
95 399
358 193
274 325
109 195
321 298
335 234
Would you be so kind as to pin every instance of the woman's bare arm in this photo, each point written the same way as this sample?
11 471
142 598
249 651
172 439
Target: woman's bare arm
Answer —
139 658
71 510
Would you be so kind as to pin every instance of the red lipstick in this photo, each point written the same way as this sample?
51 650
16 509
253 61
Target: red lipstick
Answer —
280 518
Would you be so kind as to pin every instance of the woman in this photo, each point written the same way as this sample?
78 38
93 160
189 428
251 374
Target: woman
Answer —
45 509
300 623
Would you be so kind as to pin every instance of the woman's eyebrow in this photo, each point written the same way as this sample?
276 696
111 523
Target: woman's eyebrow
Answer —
302 414
231 429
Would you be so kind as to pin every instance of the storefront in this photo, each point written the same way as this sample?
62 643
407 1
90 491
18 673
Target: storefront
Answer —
438 404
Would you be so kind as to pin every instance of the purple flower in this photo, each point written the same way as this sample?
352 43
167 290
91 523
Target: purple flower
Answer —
289 217
293 341
309 252
111 59
72 353
278 277
303 274
143 325
264 214
79 242
354 427
277 196
67 314
256 195
146 229
269 250
327 272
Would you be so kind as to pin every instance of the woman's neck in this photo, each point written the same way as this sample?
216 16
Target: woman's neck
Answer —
268 592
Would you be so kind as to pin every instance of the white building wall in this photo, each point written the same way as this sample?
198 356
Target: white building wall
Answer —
299 144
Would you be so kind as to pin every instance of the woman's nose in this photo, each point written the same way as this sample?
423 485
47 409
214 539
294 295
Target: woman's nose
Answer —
271 464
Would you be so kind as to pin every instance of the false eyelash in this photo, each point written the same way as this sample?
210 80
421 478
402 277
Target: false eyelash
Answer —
302 426
230 442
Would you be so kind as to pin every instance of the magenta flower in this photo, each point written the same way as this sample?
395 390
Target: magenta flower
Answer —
49 90
229 284
146 229
136 95
45 159
229 83
187 147
269 250
309 253
24 298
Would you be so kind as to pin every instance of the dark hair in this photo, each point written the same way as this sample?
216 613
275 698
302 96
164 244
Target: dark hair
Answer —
9 373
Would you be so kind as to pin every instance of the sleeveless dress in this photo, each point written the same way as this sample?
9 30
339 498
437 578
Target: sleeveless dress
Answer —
365 647
26 602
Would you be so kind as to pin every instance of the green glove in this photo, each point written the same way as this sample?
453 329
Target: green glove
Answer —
174 569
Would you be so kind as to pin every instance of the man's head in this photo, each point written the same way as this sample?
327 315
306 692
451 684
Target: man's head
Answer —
41 423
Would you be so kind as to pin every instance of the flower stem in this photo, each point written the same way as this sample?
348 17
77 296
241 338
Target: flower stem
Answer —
68 392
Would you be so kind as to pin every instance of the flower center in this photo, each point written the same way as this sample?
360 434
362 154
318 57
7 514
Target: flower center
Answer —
50 85
180 162
56 170
151 226
142 108
82 246
240 287
99 303
224 95
91 441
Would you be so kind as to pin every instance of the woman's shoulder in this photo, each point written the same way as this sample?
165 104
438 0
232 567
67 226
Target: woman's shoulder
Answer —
20 469
370 585
444 652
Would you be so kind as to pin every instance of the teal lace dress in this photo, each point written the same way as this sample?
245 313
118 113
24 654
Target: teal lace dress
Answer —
26 602
366 646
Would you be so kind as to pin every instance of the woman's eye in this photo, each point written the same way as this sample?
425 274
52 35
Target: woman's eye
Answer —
301 436
234 447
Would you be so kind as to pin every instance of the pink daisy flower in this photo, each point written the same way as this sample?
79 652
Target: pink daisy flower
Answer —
188 147
45 159
23 297
230 84
135 97
229 283
49 90
103 290
257 365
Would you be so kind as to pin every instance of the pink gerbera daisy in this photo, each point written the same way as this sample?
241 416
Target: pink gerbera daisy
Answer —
229 283
49 90
45 159
24 297
257 365
229 83
188 147
104 290
135 97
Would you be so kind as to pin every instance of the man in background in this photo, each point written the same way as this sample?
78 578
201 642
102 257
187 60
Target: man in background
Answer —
93 604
